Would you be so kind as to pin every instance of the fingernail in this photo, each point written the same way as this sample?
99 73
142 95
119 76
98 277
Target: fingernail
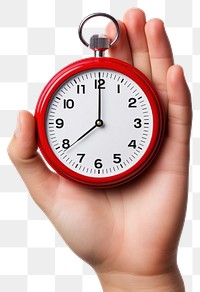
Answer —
18 127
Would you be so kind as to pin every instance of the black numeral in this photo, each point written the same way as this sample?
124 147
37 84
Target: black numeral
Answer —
132 144
98 163
99 83
81 89
131 102
117 158
137 123
118 88
65 144
68 103
59 123
81 157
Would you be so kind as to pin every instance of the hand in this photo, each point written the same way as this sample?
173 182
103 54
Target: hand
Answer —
85 134
128 234
99 98
98 123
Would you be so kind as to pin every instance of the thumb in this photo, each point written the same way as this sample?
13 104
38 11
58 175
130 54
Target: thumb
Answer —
22 151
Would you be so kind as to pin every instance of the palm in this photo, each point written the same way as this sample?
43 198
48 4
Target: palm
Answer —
102 225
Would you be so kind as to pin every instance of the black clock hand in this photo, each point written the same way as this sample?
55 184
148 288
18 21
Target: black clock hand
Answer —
85 134
98 123
99 102
99 85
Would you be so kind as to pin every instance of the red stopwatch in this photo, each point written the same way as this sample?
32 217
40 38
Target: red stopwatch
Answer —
99 120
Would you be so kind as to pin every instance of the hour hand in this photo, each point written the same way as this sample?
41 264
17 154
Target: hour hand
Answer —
98 123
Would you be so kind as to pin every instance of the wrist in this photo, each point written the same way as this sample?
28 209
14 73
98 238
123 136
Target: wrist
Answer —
168 282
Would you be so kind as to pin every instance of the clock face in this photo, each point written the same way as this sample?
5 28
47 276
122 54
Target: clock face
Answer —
99 123
99 126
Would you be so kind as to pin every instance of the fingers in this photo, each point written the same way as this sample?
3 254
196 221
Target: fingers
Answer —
132 45
135 21
144 45
23 153
120 50
179 106
160 53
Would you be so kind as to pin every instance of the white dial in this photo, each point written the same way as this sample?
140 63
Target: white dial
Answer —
99 123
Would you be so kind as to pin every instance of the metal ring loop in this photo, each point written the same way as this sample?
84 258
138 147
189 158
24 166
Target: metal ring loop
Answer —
94 15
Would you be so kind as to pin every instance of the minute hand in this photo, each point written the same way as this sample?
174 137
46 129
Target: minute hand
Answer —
99 103
85 134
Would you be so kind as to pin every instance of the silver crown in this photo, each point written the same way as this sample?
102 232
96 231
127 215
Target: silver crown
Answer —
99 43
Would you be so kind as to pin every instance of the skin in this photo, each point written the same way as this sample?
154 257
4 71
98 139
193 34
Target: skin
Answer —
128 234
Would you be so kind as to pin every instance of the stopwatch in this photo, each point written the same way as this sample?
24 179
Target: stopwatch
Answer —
99 120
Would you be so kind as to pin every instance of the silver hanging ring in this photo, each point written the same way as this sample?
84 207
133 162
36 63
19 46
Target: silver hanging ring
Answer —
80 30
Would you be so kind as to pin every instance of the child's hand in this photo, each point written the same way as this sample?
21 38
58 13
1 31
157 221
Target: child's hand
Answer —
128 234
